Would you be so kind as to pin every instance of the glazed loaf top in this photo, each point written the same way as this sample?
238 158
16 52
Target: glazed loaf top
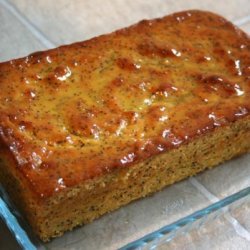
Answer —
75 112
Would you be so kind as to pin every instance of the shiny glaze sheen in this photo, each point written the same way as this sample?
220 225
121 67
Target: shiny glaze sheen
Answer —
81 110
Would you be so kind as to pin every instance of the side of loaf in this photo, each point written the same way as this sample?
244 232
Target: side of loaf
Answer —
88 127
85 202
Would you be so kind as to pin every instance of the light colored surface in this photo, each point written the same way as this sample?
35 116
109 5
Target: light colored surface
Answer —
212 236
27 26
69 21
229 173
16 40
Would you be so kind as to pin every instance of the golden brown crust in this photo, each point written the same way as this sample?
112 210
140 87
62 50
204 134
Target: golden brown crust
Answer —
82 112
78 111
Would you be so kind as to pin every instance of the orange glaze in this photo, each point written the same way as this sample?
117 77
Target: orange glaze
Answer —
78 111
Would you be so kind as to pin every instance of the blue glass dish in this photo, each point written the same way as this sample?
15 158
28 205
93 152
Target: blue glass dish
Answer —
150 241
152 221
167 233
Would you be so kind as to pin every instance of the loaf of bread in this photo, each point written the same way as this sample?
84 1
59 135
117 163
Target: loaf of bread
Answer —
88 127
